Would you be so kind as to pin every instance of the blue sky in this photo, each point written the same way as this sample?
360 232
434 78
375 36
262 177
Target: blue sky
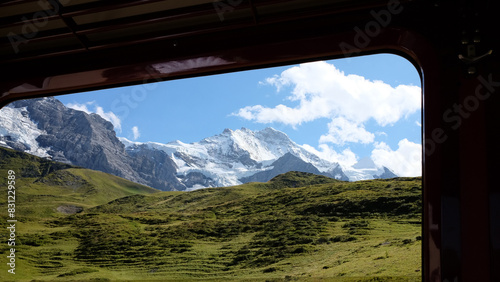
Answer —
343 109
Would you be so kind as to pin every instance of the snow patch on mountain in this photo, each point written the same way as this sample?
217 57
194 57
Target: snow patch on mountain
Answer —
18 131
366 169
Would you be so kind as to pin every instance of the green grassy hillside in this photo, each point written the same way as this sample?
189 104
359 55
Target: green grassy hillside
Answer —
45 188
297 226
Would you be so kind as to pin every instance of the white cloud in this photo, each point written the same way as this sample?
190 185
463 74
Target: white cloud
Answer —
323 91
405 161
109 116
418 123
135 132
280 113
341 131
346 159
80 107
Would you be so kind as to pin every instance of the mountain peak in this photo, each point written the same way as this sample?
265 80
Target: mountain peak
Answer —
270 129
271 133
365 162
244 129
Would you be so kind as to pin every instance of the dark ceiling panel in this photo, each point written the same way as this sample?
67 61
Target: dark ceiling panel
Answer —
30 29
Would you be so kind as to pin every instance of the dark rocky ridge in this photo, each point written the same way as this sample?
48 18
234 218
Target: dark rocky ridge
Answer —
289 162
387 174
337 173
155 167
89 141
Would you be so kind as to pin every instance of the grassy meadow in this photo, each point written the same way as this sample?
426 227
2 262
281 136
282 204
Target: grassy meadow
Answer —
76 224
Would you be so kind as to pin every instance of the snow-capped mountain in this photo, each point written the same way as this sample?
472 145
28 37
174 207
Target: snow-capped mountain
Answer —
45 127
365 169
234 156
